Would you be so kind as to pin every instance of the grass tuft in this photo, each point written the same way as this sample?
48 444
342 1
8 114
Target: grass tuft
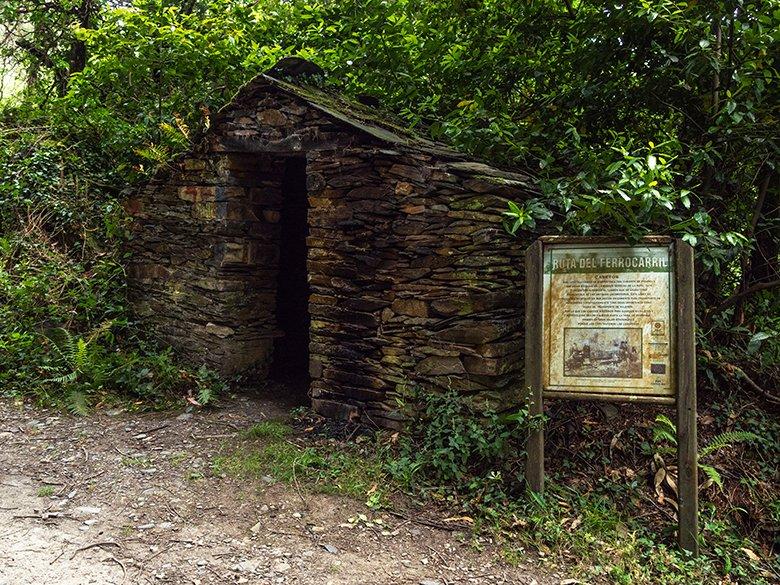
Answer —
330 468
45 491
271 429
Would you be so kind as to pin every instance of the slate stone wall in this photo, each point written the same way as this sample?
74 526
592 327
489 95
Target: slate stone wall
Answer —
414 281
412 277
205 259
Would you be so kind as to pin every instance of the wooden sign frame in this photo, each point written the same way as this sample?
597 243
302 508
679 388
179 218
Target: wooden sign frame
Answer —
682 359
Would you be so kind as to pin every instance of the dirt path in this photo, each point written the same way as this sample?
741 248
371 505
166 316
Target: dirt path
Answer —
124 498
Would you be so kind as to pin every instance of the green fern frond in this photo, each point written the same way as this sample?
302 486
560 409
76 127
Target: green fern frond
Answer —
64 345
65 379
80 354
726 439
167 128
69 346
664 430
77 403
154 153
712 474
182 126
68 353
205 395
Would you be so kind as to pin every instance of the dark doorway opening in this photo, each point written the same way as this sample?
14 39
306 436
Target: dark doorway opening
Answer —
290 362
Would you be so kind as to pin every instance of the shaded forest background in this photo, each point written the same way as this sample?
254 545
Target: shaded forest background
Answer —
640 117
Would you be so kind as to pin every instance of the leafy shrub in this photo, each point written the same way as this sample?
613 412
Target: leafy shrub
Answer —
455 447
209 385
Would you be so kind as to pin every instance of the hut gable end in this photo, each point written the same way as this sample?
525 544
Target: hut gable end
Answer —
305 239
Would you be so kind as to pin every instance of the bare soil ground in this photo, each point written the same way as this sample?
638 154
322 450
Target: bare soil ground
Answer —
130 498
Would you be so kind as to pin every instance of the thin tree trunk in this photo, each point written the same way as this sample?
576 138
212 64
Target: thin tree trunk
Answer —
749 263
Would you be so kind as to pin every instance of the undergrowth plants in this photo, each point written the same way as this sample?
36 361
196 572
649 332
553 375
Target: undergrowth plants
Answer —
461 450
602 525
666 431
609 527
66 337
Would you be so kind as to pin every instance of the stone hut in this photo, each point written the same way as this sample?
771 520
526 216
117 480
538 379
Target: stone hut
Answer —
304 236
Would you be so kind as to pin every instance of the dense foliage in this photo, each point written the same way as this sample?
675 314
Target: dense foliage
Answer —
641 117
611 489
64 332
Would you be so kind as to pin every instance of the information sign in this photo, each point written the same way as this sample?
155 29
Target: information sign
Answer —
606 320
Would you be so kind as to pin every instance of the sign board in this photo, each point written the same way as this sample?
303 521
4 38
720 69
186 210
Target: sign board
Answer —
605 320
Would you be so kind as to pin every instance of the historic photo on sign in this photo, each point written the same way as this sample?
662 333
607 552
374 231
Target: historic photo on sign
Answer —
602 352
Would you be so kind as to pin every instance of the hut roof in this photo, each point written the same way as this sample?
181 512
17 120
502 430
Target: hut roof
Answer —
297 77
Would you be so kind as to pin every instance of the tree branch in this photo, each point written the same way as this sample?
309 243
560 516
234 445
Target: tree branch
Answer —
36 52
749 291
741 374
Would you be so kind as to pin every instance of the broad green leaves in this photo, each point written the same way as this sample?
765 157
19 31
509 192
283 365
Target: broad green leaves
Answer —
525 216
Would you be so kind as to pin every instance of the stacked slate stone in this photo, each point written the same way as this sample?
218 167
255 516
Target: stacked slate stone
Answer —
413 279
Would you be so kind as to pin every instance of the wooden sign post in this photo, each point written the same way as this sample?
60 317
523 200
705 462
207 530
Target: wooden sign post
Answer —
608 321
